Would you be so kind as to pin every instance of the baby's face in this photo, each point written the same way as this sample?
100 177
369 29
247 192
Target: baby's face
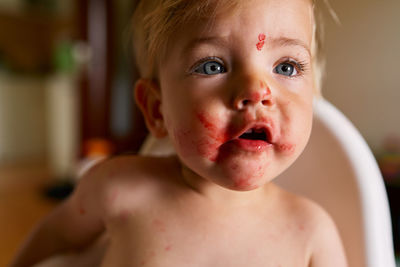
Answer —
237 92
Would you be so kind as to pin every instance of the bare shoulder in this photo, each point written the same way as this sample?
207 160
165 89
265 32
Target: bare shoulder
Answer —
124 181
325 246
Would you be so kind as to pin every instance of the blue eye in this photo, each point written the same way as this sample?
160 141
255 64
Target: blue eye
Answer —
286 69
210 68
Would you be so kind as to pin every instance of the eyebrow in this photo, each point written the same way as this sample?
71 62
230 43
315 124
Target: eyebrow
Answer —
213 40
221 42
285 41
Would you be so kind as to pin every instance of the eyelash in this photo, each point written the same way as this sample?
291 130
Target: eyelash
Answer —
204 60
301 66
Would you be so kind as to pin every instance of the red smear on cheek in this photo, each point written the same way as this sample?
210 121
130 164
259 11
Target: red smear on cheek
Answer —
216 136
261 41
208 150
213 131
287 148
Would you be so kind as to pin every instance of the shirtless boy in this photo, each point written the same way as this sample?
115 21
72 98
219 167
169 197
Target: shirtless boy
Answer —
231 83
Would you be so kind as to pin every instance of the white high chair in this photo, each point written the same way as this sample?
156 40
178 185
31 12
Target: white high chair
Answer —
338 171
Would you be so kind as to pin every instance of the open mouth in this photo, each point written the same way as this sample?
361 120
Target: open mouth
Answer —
259 134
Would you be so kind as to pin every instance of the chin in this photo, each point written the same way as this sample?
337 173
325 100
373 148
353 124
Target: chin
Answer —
250 179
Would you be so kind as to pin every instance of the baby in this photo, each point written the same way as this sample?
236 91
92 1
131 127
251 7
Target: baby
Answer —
231 83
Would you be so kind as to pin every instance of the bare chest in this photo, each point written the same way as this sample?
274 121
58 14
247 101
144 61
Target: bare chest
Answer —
191 240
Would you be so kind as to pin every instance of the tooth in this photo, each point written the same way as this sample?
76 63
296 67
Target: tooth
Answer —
249 131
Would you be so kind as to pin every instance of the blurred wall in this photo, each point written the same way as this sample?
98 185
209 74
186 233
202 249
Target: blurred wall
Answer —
363 56
22 118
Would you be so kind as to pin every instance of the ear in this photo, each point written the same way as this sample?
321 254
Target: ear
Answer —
148 98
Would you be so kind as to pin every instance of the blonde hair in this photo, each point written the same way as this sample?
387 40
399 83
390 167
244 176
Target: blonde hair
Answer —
155 21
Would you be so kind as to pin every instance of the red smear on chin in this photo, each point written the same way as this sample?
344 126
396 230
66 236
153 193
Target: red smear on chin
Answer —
243 183
261 41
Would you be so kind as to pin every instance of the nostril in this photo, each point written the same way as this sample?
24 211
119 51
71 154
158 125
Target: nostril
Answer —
245 102
267 102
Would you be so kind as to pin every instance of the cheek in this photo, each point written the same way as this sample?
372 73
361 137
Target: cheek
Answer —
295 127
300 131
213 135
198 134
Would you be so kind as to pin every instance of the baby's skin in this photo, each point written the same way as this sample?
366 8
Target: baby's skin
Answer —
156 219
234 95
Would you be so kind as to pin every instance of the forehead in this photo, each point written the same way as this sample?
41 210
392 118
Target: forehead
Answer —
288 19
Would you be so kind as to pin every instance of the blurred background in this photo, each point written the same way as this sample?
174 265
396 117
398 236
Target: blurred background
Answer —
66 81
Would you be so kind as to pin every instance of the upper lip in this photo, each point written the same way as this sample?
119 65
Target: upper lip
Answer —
258 126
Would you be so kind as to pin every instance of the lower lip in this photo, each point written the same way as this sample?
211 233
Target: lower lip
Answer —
252 145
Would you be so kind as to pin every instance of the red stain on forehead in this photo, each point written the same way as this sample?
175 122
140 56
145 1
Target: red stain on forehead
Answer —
261 41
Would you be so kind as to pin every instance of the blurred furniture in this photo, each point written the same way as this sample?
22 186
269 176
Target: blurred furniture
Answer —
338 171
27 39
22 204
101 92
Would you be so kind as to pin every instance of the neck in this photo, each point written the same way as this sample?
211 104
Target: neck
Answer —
218 194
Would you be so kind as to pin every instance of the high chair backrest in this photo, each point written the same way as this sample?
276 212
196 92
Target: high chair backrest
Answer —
338 171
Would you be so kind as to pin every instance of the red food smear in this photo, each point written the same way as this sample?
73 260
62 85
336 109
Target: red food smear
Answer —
242 183
255 96
287 147
261 39
216 136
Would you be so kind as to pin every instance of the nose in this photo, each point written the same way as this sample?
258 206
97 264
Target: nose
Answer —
254 93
